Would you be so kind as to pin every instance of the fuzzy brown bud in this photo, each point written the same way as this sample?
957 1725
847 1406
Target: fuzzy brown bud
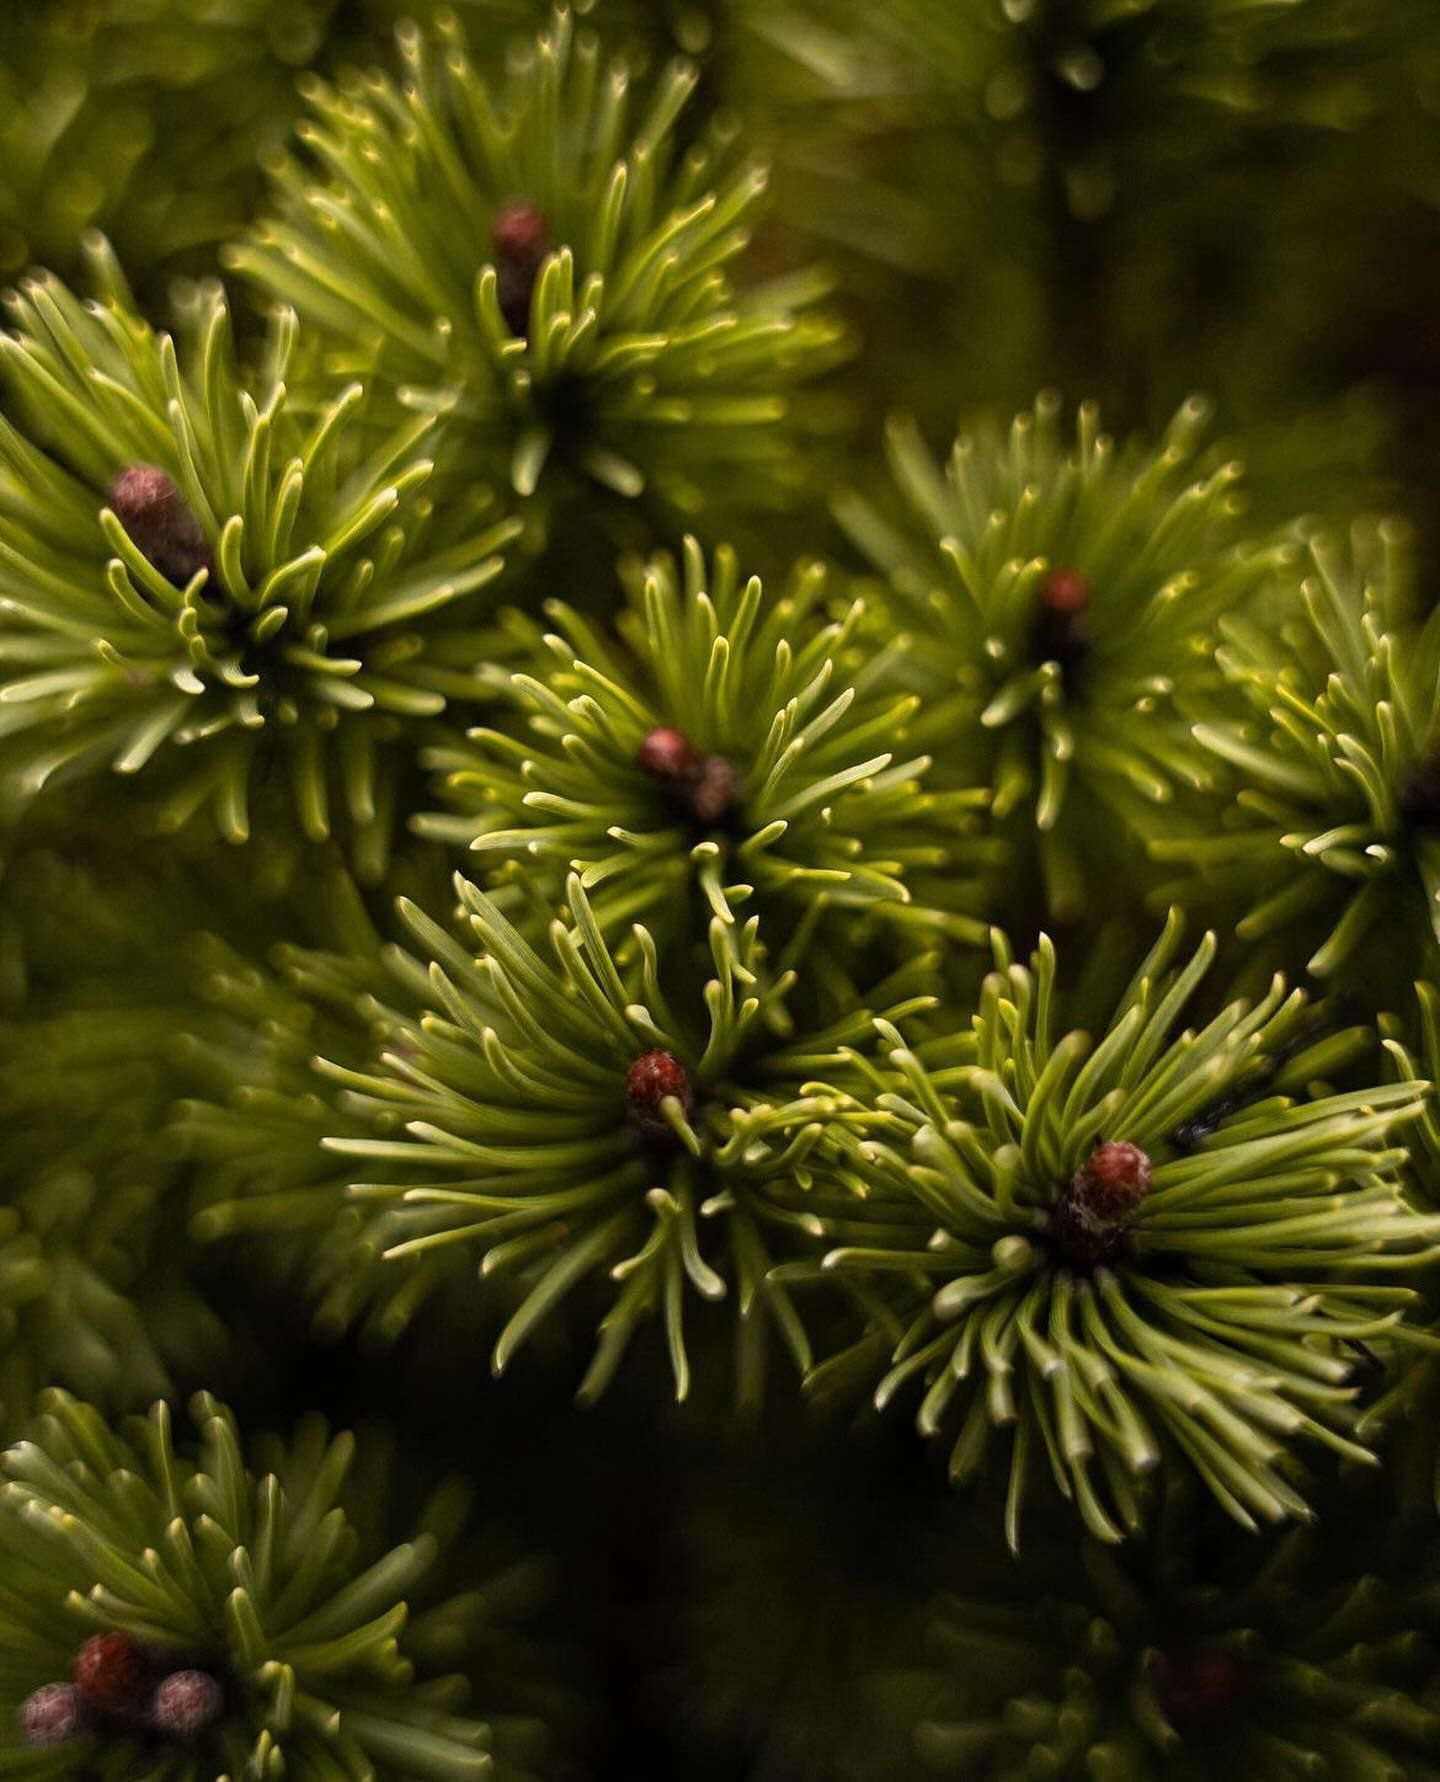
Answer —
52 1715
1062 631
668 756
713 792
109 1671
1100 1203
149 505
521 241
185 1703
651 1079
703 786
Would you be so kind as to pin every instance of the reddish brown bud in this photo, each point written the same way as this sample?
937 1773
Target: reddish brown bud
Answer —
668 755
109 1672
1117 1178
519 233
1199 1686
713 792
1065 591
152 510
1096 1210
52 1715
703 786
1062 633
521 241
185 1703
650 1080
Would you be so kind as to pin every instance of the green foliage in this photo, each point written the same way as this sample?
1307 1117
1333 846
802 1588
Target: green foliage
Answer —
1077 734
1220 1332
829 806
641 362
150 119
1406 1413
94 1003
1187 1658
333 1647
331 624
1333 829
145 118
703 1048
1110 197
254 1140
1130 83
518 1141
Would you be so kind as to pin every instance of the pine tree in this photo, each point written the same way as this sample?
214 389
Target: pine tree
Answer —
552 848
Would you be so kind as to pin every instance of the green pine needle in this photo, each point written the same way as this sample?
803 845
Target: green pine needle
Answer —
638 362
261 1174
260 1576
1079 730
829 801
334 622
518 1143
1335 830
1219 1333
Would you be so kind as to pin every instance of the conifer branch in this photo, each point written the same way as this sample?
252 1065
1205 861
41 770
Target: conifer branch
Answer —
1334 831
1063 600
566 1119
1108 1254
183 1562
207 582
546 260
788 775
